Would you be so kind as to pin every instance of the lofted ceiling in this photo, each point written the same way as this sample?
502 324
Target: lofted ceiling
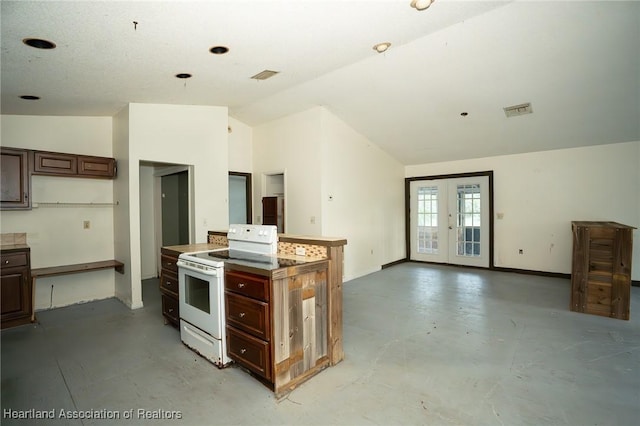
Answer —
576 62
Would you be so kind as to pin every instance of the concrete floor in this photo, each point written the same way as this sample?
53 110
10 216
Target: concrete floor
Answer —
424 344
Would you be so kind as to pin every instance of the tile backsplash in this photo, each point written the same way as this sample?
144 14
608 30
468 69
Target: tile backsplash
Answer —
284 248
13 238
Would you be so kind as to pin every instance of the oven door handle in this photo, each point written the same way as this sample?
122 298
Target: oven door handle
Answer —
211 272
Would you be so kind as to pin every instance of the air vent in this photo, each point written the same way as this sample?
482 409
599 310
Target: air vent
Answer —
264 75
521 109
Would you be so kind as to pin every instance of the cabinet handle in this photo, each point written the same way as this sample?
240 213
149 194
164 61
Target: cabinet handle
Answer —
242 351
242 314
6 262
170 310
240 285
26 195
168 283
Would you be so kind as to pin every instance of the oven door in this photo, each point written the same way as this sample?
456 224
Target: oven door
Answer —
201 298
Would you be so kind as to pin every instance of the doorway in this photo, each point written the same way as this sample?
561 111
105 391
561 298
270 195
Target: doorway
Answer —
273 201
175 208
450 219
240 191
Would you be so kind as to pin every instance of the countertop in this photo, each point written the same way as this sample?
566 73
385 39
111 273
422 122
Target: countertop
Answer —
191 248
301 239
13 247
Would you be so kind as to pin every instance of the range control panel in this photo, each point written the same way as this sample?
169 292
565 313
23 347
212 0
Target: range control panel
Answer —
256 238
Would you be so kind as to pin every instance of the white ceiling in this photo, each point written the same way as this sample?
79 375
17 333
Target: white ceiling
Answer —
578 63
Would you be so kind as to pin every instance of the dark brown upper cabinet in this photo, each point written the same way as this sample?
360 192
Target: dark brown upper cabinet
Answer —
16 182
59 164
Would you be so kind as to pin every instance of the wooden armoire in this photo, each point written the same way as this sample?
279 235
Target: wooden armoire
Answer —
601 268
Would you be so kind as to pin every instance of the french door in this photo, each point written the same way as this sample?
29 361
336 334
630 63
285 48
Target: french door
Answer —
449 220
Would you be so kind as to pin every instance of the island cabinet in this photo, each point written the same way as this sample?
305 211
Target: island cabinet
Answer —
277 322
169 286
601 268
15 286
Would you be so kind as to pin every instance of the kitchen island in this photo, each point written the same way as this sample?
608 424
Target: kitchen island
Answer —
283 313
312 247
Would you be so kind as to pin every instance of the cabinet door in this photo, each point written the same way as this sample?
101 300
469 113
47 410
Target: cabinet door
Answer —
54 163
96 166
15 293
15 185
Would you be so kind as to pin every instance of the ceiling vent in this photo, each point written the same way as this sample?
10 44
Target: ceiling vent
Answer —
264 75
515 110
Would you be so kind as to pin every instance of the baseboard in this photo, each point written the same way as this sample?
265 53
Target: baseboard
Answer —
634 283
397 262
532 272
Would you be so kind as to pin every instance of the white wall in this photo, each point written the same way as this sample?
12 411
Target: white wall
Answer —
362 198
240 147
171 134
55 234
323 157
541 193
292 145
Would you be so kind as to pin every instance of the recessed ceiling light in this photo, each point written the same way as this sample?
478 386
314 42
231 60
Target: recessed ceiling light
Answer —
183 75
382 47
421 4
219 50
39 43
30 97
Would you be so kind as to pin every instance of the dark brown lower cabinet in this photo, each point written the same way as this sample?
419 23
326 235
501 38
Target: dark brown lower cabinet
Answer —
169 286
16 303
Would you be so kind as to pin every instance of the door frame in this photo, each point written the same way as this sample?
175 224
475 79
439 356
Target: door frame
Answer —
407 209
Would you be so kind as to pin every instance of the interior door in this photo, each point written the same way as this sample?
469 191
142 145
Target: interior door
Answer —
449 221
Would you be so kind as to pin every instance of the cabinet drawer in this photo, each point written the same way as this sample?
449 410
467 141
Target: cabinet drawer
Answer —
248 315
55 163
169 283
248 285
169 263
249 352
13 259
170 308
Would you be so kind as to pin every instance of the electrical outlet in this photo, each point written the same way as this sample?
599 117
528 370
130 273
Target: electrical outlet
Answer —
520 251
86 224
313 219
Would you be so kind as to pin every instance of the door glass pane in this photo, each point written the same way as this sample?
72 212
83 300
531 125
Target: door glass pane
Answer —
468 220
428 219
197 293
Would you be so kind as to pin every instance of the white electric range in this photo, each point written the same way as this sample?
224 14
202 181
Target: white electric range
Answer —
201 282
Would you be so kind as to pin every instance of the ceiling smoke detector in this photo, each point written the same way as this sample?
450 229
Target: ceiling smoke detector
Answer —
382 47
421 4
515 110
265 75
